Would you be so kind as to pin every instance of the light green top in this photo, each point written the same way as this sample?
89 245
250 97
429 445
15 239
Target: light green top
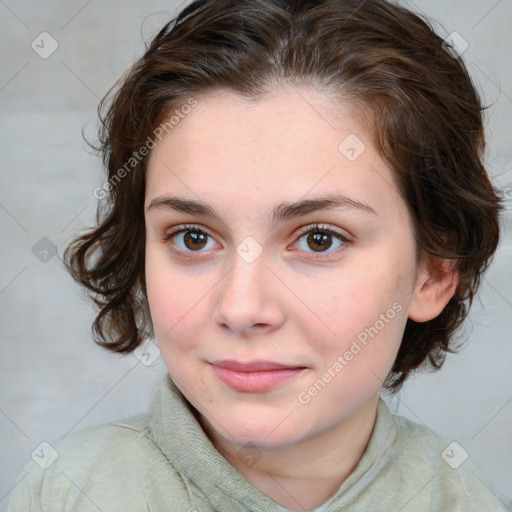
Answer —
162 461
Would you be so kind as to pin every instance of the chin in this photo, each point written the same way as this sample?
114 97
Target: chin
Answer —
262 443
263 437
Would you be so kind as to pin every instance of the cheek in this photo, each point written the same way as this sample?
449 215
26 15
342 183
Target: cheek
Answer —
349 301
170 294
381 322
362 313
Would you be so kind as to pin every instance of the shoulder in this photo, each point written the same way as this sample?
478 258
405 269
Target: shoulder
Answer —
439 471
95 449
94 468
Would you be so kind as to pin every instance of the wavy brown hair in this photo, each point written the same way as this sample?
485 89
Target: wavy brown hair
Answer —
412 89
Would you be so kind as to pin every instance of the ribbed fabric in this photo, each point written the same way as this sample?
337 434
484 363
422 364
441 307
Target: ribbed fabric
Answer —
162 461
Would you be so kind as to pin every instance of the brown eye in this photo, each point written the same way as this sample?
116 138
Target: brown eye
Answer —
319 241
190 239
195 240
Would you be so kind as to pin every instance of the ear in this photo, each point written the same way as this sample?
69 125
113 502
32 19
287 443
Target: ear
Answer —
435 286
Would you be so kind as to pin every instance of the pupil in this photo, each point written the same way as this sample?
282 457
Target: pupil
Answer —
196 239
321 240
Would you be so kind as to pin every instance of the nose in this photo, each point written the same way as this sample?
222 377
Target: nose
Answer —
246 300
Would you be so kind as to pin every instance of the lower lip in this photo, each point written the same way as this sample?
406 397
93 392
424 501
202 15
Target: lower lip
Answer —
257 381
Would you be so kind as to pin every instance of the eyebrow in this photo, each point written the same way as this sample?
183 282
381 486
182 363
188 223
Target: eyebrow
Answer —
283 211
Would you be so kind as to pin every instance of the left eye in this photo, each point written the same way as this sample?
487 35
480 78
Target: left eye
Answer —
320 239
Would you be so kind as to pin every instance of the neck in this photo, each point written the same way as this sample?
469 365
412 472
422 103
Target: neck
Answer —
305 475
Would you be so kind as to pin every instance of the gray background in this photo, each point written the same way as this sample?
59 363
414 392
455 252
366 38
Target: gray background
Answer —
53 378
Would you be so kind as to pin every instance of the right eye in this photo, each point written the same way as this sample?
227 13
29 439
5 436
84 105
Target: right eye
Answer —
189 239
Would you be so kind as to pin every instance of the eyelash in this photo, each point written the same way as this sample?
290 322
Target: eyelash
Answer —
315 228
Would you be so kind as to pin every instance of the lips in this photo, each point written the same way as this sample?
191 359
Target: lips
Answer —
252 366
254 376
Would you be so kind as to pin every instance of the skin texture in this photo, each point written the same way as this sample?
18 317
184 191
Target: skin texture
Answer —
294 304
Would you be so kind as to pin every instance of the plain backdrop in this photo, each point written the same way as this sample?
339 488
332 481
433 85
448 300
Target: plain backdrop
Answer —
53 378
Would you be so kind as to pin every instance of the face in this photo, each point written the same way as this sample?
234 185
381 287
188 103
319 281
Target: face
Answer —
277 314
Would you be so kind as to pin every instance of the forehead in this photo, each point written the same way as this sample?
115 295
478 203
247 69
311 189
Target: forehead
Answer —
286 146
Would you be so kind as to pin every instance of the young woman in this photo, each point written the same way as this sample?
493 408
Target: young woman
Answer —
296 210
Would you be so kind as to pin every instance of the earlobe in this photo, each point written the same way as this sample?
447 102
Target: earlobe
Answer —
434 290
